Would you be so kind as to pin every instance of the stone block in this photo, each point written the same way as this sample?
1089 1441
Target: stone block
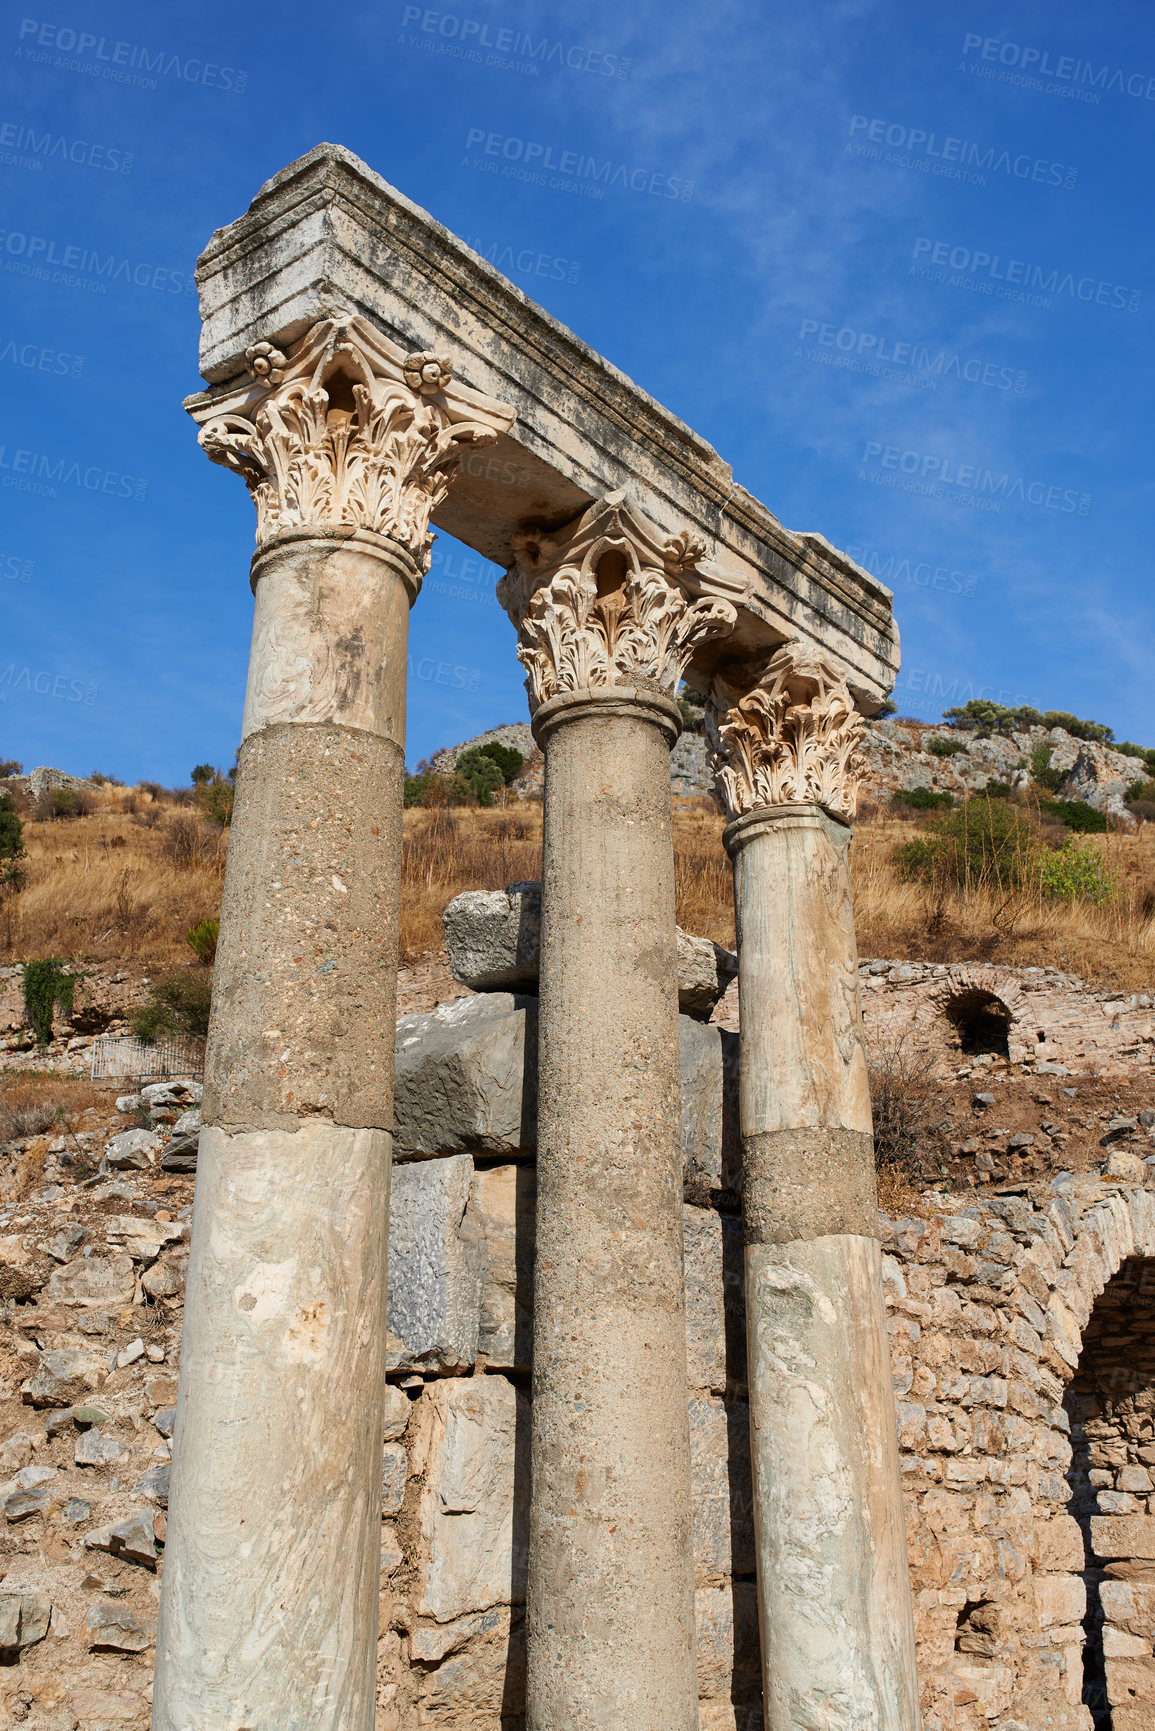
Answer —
729 1655
397 1408
494 937
715 1300
112 1628
723 1498
1130 1680
132 1151
1129 1605
480 1684
144 1239
466 1078
500 1220
1059 1599
1059 1543
24 1619
66 1376
1123 1535
473 1450
711 1146
104 1282
434 1272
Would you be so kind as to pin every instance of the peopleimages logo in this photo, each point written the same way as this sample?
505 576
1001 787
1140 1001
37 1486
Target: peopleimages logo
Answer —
57 685
119 62
32 472
523 159
472 32
911 362
988 268
80 267
982 160
929 474
49 146
893 569
1037 62
38 359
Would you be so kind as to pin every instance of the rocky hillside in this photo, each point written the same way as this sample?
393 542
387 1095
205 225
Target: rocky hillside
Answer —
902 754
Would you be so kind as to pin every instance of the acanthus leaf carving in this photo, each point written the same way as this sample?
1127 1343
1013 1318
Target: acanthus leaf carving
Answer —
348 430
792 740
601 603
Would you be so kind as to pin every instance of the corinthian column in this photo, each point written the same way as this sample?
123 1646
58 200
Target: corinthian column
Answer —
605 632
833 1576
269 1599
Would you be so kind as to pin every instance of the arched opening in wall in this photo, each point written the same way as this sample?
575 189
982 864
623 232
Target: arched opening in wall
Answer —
981 1021
1111 1406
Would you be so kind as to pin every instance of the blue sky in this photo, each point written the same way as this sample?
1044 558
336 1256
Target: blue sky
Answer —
905 286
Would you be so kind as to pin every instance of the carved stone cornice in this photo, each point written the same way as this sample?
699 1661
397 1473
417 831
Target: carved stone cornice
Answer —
347 429
792 740
605 601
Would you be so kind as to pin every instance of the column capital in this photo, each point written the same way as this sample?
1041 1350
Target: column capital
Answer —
791 740
609 600
345 429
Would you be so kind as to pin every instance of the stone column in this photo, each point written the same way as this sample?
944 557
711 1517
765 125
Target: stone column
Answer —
605 631
268 1610
833 1576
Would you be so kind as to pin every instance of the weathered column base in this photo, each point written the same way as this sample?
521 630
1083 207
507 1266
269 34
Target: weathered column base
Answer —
834 1586
277 1445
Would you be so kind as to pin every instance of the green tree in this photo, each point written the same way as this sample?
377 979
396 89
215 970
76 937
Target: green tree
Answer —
11 845
506 758
483 774
180 1004
10 766
1076 814
1041 772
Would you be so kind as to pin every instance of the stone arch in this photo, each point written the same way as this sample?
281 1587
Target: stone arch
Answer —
987 1010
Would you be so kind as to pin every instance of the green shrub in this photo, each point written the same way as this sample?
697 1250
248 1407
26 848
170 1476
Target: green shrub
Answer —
1075 872
1041 772
922 799
693 716
214 793
998 789
506 758
980 712
10 766
1141 790
180 1004
416 787
1076 814
61 802
986 844
941 746
482 772
1126 746
11 829
202 940
46 987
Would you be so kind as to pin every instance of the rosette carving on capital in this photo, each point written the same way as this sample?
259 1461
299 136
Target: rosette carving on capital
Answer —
604 602
345 428
792 740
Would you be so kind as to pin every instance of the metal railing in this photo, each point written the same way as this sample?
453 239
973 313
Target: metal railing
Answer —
123 1055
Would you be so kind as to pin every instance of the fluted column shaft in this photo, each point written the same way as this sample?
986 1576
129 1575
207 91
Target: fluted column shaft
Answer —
610 1592
833 1575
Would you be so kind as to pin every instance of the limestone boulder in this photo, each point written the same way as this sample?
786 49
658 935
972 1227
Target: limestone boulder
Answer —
92 1282
434 1271
66 1376
22 1272
473 1452
24 1619
466 1078
494 937
132 1151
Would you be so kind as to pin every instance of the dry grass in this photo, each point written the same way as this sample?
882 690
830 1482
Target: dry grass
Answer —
1112 944
124 886
115 885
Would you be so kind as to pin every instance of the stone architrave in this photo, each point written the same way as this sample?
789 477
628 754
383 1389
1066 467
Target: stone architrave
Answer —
834 1582
606 627
269 1599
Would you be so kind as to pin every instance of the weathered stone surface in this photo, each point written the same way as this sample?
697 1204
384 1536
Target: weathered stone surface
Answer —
92 1281
723 1493
729 1657
393 1461
494 937
142 1238
479 1685
466 1078
132 1150
1123 1535
155 1482
65 1376
434 1271
500 1218
397 1409
166 1279
711 1144
715 1300
93 1449
112 1628
473 1449
494 943
21 1273
24 1619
